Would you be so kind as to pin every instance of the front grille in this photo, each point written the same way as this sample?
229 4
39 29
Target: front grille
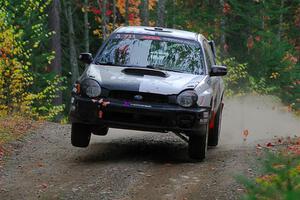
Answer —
146 97
158 119
136 118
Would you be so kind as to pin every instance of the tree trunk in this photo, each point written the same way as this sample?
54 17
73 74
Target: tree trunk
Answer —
145 12
263 17
86 27
55 43
280 20
223 36
127 12
161 13
114 14
173 14
72 47
102 7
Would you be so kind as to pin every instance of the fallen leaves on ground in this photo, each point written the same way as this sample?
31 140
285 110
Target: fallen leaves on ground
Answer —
295 149
12 128
1 153
269 144
288 145
44 186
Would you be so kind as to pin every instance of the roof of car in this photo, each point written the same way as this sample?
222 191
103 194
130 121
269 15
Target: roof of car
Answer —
159 32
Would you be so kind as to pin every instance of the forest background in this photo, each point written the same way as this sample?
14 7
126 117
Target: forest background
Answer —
40 40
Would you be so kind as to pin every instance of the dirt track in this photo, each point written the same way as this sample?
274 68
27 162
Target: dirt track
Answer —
140 165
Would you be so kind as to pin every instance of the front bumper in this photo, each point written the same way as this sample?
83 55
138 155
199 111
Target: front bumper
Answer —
138 115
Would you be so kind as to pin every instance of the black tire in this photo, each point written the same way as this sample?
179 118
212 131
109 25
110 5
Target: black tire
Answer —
80 135
100 130
198 144
214 133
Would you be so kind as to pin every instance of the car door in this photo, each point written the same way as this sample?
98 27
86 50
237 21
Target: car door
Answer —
210 60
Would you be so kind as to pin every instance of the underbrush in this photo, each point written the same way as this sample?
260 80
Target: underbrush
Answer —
279 177
239 82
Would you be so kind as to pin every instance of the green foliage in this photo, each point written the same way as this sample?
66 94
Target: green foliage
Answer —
237 79
40 105
263 34
19 94
280 178
259 42
260 86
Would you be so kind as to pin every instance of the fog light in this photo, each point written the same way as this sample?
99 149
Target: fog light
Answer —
185 121
205 114
203 120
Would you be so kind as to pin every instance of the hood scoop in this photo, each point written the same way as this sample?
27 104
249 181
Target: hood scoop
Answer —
144 71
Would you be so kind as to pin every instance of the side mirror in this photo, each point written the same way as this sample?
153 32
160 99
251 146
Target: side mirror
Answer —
213 47
86 58
218 70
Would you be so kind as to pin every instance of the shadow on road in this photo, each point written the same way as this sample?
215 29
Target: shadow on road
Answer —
136 150
132 150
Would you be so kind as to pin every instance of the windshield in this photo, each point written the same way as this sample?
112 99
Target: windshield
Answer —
155 52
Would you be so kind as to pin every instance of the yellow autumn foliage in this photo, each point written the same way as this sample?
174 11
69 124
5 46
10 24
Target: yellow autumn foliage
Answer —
16 80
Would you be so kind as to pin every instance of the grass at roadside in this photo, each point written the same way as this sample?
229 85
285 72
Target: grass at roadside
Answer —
279 175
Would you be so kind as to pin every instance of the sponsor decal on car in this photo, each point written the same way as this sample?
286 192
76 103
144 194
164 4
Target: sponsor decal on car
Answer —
141 105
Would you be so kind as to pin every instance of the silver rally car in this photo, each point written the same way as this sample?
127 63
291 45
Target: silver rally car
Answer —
151 79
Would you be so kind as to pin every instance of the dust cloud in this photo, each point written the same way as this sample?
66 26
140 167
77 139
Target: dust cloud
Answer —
255 119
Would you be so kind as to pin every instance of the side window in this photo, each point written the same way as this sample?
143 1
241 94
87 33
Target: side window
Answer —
208 55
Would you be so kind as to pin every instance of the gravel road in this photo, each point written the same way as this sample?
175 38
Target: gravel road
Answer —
141 165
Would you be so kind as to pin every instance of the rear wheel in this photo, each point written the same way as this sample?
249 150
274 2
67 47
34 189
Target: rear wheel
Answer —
214 133
80 135
198 144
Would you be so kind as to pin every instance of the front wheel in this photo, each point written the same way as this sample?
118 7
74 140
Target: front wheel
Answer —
80 135
198 144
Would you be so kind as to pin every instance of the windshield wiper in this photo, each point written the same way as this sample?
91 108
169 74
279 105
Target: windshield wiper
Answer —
105 63
161 68
110 64
148 66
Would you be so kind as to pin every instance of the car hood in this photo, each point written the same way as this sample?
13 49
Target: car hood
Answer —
114 78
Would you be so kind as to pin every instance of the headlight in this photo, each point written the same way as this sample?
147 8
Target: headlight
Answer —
91 88
187 98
